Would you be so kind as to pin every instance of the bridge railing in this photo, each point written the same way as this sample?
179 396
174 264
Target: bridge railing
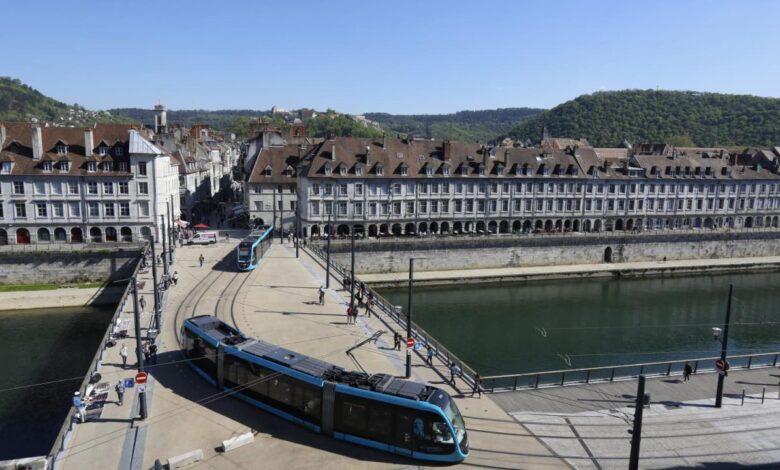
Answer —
63 436
421 336
560 378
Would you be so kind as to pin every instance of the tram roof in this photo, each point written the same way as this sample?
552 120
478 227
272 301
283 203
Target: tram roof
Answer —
255 234
382 383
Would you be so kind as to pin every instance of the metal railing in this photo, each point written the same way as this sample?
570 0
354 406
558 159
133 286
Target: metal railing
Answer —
67 427
421 336
561 378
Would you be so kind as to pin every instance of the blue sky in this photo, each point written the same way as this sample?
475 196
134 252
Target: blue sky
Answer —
397 56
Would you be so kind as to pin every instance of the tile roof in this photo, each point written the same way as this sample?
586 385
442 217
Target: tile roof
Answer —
272 163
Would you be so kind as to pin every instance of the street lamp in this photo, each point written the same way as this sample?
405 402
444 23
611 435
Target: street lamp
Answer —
409 318
716 333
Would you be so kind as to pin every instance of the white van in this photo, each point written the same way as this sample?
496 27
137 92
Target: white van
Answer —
203 238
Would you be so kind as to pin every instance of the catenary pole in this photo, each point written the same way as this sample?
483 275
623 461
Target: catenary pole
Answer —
409 319
636 433
327 260
164 246
156 287
138 348
723 350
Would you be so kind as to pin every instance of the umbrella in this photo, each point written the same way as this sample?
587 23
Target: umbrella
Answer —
200 226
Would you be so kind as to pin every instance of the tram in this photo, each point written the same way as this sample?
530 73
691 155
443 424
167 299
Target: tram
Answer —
378 411
251 249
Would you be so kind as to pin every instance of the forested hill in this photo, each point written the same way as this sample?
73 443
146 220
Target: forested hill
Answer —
464 125
20 102
221 119
680 117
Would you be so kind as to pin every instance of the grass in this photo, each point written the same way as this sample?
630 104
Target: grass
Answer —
34 287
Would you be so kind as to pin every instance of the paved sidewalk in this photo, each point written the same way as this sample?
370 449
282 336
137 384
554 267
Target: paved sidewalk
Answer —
575 270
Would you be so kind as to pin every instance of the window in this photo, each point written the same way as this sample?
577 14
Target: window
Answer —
445 188
2 214
458 188
315 208
434 188
62 149
328 189
445 171
358 189
21 210
40 187
434 207
92 187
124 188
404 170
410 207
142 168
423 206
315 189
445 207
91 167
109 209
143 208
18 187
480 206
47 167
396 208
40 209
73 187
328 208
57 209
505 205
118 151
93 210
469 206
358 208
108 187
359 170
6 169
380 170
396 188
143 188
64 166
372 208
342 189
74 209
56 187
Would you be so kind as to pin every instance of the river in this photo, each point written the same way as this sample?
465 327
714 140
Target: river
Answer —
37 346
550 325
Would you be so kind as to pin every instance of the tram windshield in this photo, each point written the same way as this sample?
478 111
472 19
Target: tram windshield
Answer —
243 253
452 412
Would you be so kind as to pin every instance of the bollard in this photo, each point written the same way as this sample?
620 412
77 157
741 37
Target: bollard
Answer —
763 392
743 397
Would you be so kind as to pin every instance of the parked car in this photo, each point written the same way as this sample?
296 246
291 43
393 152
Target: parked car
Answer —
203 238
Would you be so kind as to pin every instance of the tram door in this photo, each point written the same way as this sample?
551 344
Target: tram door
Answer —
404 432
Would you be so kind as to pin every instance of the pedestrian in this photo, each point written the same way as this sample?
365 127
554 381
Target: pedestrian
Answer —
362 288
80 406
429 356
123 353
322 295
153 353
349 315
477 386
369 304
175 278
687 371
120 392
359 299
398 341
142 302
201 259
147 353
454 370
304 243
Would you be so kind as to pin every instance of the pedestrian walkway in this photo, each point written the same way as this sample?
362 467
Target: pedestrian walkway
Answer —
573 270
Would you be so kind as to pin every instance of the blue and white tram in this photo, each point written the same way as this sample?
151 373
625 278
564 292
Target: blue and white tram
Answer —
378 411
251 249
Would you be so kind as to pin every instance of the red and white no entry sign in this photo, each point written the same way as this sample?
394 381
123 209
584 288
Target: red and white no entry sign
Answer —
410 343
720 364
141 377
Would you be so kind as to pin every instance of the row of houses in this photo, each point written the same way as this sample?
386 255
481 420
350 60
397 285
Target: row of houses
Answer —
395 186
104 183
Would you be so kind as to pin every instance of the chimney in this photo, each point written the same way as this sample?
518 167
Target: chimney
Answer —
384 141
333 151
368 150
2 135
37 142
446 153
89 142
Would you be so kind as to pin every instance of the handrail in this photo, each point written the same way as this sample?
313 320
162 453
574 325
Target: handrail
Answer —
440 351
59 442
575 376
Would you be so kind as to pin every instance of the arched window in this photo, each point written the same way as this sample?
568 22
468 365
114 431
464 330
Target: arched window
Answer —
127 234
3 237
60 235
22 236
146 232
76 236
95 235
110 234
44 235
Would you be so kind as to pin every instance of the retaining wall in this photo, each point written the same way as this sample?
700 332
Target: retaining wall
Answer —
66 266
504 252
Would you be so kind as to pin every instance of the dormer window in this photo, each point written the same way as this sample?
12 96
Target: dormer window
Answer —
106 166
342 170
47 167
359 170
404 170
7 167
102 150
267 171
328 170
380 170
62 149
499 169
481 170
64 166
91 167
545 170
118 151
288 171
428 171
445 171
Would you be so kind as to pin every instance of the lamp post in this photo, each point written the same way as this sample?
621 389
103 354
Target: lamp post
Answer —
409 318
723 351
156 290
171 243
138 348
327 259
281 215
352 274
297 229
164 246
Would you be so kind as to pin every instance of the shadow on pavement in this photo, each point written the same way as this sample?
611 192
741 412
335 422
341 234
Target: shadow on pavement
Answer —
184 382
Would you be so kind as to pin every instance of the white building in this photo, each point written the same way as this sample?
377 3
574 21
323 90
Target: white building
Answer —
106 183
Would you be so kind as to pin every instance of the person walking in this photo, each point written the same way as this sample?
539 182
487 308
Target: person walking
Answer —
477 386
429 356
687 371
175 278
454 370
369 304
123 353
153 353
147 353
322 295
349 315
80 406
201 259
120 392
142 303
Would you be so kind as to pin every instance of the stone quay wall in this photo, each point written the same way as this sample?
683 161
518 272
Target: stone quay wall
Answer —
66 264
441 254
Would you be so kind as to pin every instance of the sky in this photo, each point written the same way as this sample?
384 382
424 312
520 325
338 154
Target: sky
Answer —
401 57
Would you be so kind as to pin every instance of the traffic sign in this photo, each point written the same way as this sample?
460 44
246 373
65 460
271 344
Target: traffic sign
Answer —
141 377
410 343
721 365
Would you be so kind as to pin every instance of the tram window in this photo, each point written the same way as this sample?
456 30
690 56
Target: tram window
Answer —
403 430
380 422
432 434
280 390
350 415
204 355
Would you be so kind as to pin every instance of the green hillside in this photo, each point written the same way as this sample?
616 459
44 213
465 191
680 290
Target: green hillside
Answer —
20 102
703 119
466 126
221 119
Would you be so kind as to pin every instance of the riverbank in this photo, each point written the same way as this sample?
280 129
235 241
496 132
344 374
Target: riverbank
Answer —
54 297
576 271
